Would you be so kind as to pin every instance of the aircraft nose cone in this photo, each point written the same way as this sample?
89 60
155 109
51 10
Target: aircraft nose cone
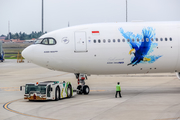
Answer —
27 53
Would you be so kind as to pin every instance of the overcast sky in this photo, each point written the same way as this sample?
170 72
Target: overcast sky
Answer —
25 15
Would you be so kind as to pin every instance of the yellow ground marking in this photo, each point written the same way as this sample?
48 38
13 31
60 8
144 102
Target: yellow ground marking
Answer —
6 106
97 90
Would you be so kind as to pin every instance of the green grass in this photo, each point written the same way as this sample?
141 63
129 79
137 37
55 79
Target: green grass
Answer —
10 57
11 48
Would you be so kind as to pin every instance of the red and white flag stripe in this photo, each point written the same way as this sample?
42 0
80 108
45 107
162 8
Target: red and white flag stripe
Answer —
95 32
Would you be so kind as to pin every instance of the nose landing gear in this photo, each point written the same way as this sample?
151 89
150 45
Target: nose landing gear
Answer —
82 88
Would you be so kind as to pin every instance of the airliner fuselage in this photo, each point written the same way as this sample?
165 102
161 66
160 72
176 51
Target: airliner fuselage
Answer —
110 48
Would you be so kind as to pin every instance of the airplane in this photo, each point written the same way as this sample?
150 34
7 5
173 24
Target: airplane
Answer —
109 48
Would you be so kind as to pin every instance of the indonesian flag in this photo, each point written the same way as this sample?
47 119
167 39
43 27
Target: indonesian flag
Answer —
95 33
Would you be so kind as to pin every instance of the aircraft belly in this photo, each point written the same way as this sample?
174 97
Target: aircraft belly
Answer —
112 63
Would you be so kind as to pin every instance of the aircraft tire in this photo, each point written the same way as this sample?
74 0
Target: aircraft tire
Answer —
79 88
57 94
86 90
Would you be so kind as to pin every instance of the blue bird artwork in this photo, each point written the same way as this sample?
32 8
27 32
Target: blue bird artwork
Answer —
141 45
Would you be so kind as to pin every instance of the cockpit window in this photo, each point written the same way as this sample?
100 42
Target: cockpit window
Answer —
46 41
38 41
52 41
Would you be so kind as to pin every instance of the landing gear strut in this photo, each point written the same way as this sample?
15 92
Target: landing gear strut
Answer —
82 88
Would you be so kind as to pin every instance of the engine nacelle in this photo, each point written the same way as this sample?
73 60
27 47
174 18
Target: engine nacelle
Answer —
178 75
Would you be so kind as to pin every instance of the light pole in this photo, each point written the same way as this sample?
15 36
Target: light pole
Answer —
9 30
126 12
42 17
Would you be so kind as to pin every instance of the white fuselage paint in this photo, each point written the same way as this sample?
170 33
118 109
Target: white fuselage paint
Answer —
79 53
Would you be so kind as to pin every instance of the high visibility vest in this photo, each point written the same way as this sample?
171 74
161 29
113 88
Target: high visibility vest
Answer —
118 88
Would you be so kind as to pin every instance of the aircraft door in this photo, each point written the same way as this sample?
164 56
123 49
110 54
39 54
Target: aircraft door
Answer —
80 41
178 62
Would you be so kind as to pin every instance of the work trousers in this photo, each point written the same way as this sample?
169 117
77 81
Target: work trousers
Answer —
117 93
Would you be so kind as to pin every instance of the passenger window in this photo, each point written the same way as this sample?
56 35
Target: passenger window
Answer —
170 39
127 40
147 39
109 40
156 39
114 40
94 41
161 39
142 40
152 39
165 39
123 40
118 40
51 41
99 41
137 39
104 40
133 39
45 41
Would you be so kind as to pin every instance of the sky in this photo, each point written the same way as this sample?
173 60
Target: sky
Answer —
25 15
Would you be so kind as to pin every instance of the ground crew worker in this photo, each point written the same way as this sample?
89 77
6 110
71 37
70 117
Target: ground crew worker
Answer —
118 90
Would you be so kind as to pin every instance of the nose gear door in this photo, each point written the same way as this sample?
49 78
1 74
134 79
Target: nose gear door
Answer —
80 41
178 40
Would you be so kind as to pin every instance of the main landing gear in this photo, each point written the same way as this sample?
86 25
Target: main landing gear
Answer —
82 88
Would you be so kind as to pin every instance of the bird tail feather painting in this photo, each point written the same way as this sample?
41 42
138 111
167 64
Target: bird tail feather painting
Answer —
141 46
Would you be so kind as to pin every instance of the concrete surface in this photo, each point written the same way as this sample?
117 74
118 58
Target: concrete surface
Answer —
144 97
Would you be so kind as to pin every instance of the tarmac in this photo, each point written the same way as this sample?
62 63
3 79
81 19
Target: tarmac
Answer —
144 96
